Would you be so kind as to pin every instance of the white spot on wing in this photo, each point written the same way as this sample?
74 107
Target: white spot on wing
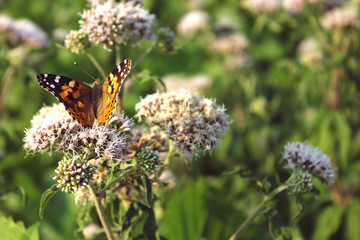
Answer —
45 75
47 83
52 86
57 78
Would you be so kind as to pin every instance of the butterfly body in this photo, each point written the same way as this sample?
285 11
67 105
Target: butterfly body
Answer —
85 104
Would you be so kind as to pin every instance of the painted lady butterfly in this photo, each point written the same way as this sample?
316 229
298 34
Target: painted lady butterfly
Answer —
85 104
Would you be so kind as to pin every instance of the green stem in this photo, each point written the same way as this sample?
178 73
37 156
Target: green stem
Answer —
116 180
97 65
101 212
5 87
170 153
147 51
117 54
262 204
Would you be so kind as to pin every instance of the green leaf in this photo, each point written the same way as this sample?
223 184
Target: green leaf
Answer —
328 222
343 132
352 220
45 198
11 230
148 190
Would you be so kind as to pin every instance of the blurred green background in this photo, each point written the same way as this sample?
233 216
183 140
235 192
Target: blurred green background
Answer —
273 91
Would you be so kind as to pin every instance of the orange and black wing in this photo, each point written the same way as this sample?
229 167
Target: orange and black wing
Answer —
111 89
75 96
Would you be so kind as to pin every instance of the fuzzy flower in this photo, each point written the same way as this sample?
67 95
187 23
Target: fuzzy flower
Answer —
193 22
294 6
194 124
195 83
301 155
23 32
73 174
300 182
262 5
76 41
340 17
167 39
234 43
144 136
53 129
111 23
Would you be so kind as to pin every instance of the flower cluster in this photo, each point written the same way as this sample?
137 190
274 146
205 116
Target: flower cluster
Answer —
112 23
340 18
294 6
234 43
194 124
73 174
193 83
309 52
23 32
76 41
144 136
306 157
193 22
262 5
95 2
54 129
148 159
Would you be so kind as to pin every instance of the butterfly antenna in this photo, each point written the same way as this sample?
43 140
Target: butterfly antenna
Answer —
76 64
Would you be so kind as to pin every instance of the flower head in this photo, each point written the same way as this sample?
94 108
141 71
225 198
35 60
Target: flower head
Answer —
306 157
229 44
118 23
193 22
53 129
76 41
73 174
294 6
309 52
195 83
148 159
194 124
340 18
23 32
262 5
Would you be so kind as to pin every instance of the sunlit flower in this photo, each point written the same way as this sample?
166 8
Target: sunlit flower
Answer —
193 22
73 174
54 129
195 83
194 124
340 17
76 41
95 2
144 136
262 5
118 23
303 156
234 43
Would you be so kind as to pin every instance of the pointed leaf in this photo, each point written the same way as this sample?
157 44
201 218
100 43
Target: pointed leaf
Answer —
45 198
148 190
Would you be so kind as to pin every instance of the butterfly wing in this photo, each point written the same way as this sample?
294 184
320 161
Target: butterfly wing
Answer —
75 96
111 88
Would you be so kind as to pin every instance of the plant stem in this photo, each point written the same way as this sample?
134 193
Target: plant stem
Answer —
116 180
97 65
101 212
262 204
147 51
5 87
170 153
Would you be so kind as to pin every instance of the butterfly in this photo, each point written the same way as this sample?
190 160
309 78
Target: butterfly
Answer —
85 104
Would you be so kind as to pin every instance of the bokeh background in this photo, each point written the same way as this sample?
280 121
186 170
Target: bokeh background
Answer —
286 70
